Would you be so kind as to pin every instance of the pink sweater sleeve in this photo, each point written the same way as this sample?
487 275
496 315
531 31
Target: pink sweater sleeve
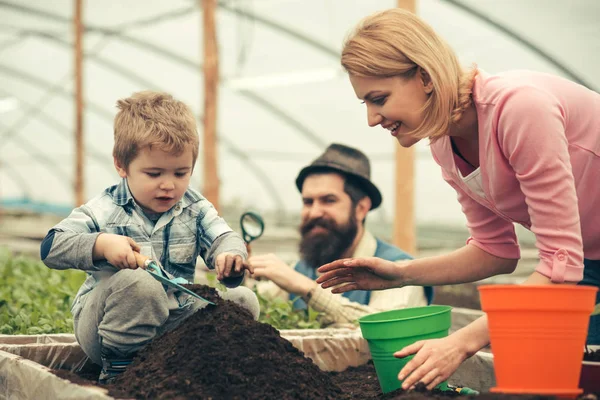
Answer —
488 231
531 134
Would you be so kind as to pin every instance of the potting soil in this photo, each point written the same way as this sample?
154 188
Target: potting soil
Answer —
222 353
361 383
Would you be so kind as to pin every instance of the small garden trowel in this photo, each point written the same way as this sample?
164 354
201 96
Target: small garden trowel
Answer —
157 272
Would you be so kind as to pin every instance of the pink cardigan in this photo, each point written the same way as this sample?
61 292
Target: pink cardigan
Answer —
539 154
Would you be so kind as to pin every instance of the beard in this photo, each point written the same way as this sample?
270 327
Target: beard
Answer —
329 245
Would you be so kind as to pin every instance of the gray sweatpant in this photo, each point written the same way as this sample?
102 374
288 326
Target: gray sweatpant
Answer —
129 308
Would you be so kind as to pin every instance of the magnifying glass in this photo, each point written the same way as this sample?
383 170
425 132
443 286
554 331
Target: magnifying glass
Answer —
252 226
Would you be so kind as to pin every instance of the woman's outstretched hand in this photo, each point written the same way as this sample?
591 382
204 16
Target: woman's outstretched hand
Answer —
434 362
369 273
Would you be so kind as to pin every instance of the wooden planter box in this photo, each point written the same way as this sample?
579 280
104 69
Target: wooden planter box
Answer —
26 360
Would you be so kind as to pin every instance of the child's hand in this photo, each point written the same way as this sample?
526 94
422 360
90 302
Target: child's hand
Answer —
117 250
228 265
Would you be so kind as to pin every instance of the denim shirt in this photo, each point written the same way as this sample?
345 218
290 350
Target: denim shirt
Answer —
190 229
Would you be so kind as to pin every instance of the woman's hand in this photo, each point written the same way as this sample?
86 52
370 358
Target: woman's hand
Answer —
434 362
369 273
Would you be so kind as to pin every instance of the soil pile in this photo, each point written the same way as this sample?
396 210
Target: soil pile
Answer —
222 353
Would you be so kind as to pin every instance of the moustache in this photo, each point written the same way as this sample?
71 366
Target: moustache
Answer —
322 222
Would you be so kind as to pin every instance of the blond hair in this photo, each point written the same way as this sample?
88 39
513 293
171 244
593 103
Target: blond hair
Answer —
153 119
396 42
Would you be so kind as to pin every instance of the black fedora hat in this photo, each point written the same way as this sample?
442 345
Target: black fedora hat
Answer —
346 161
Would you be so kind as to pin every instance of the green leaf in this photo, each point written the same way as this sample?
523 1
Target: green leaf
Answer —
35 299
596 310
6 329
281 314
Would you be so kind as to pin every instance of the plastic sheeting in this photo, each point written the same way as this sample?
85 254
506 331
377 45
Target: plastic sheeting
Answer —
54 351
331 349
23 379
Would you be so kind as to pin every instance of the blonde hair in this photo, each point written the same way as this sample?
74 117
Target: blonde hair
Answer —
153 119
396 42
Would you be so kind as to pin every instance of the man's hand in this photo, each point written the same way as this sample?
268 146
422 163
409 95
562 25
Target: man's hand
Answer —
230 265
116 249
434 362
271 267
369 273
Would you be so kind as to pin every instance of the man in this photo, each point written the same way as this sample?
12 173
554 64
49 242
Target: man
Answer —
337 194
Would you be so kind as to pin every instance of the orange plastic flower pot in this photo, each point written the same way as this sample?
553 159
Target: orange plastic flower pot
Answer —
537 334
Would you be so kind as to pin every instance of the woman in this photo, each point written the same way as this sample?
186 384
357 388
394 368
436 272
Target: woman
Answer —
519 147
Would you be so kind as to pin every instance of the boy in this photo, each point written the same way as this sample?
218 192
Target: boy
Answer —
121 308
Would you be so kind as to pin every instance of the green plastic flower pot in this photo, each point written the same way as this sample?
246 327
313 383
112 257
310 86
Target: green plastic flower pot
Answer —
390 331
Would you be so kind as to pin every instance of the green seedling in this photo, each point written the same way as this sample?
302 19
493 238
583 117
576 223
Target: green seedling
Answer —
35 299
281 314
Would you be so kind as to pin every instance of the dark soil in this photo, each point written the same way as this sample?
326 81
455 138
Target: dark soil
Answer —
222 353
591 355
87 376
361 383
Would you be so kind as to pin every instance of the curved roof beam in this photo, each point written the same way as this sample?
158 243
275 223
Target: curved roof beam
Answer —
526 43
280 28
16 177
166 53
273 25
62 130
51 88
59 18
258 172
287 119
29 148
